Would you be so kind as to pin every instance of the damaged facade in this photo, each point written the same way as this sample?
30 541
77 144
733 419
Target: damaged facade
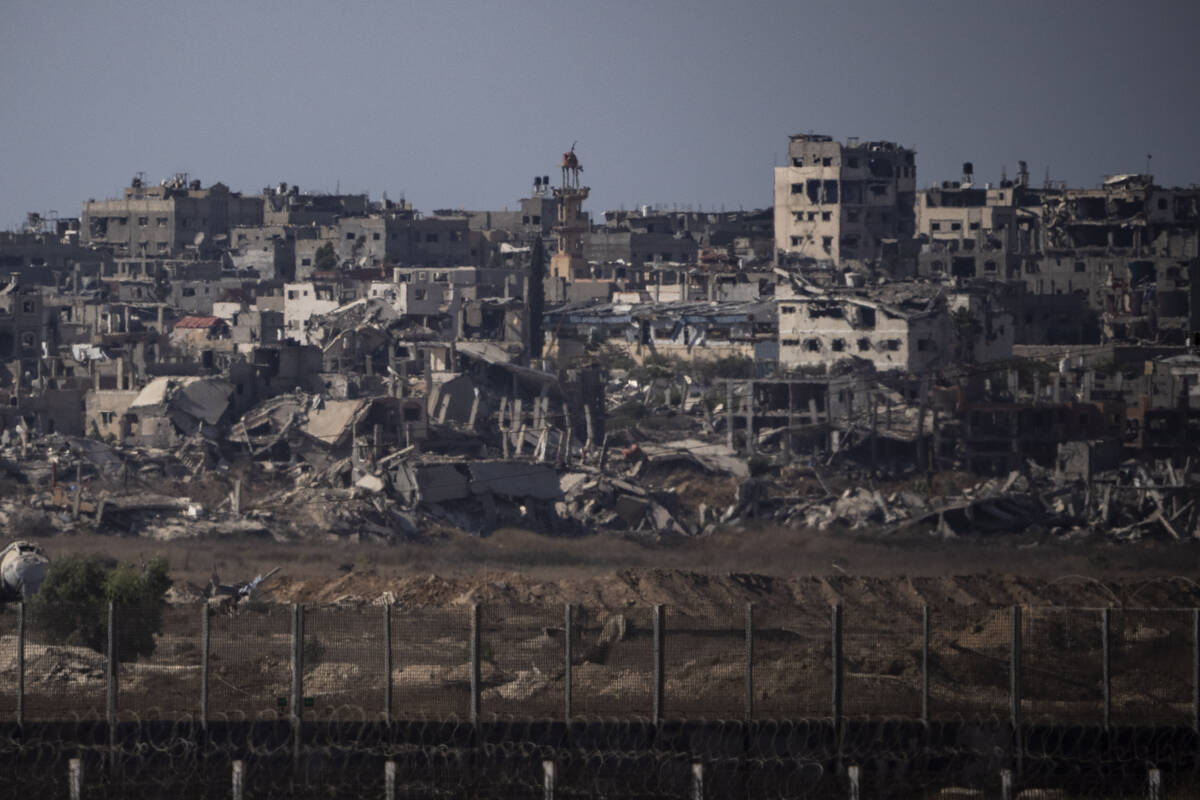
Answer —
382 373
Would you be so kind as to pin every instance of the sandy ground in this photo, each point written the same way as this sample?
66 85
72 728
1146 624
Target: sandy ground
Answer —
583 569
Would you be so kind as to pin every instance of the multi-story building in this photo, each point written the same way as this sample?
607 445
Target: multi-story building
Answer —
838 202
49 258
285 205
1127 249
163 220
28 327
911 327
397 239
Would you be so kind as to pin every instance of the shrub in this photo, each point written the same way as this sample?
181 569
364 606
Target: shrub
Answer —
72 604
312 653
325 259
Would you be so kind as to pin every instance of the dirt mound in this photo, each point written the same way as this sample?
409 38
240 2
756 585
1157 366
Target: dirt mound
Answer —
703 595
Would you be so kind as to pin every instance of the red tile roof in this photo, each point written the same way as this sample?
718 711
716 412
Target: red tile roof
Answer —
197 322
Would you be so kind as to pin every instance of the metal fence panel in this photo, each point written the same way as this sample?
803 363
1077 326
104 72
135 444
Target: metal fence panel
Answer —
1062 665
882 663
344 662
8 661
705 664
250 662
523 664
64 678
969 661
163 684
431 662
1152 666
614 671
522 660
792 663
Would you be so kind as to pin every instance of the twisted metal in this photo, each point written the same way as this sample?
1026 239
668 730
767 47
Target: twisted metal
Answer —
596 757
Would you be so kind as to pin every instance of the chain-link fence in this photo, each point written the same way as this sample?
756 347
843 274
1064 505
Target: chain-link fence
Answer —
505 700
375 663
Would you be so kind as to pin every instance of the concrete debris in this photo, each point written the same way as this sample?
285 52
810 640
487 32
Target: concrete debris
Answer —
333 367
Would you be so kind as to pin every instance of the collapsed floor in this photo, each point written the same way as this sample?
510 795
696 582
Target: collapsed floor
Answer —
670 465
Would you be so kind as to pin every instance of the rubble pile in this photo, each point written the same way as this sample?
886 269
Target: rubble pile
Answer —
303 465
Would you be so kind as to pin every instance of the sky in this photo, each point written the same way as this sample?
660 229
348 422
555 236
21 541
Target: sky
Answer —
456 104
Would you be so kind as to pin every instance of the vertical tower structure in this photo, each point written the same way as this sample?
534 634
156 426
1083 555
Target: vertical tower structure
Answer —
568 262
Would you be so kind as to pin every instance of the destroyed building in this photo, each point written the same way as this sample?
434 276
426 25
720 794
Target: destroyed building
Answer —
659 373
688 331
912 328
1127 250
837 202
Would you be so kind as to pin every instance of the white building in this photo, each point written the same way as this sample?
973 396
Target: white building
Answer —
907 327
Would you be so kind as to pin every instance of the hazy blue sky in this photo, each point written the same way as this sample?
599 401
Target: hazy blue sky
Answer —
459 104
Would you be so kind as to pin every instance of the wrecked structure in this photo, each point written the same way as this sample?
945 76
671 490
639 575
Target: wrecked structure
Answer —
1127 250
844 202
912 328
691 331
301 364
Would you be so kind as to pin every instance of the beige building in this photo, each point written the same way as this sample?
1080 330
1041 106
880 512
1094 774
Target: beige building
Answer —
164 220
306 299
837 202
909 327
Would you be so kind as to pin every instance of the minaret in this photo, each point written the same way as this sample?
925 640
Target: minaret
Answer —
568 261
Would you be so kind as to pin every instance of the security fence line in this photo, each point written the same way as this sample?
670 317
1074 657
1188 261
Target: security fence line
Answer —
1085 635
693 786
995 697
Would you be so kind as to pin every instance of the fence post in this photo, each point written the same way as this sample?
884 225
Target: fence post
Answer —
205 638
238 778
1106 659
548 776
476 676
836 654
1196 669
297 678
568 654
749 662
1155 781
659 682
1006 784
387 668
697 780
110 705
75 778
925 664
389 780
1014 668
21 663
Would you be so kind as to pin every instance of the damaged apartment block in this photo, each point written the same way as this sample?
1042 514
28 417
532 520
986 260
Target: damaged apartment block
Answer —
301 364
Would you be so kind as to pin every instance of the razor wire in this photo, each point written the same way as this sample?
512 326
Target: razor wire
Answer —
505 757
498 701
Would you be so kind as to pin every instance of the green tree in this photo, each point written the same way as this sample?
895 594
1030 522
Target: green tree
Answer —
325 260
72 604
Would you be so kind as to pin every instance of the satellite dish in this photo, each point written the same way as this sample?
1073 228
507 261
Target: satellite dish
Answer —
198 239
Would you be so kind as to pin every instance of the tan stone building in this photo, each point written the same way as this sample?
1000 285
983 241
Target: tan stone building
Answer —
837 202
163 220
